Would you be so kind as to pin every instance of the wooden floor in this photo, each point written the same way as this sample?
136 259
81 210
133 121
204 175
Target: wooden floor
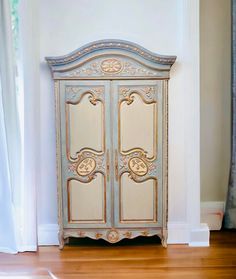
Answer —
139 258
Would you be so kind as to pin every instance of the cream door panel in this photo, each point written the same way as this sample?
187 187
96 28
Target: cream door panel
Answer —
85 109
80 210
89 131
143 196
138 125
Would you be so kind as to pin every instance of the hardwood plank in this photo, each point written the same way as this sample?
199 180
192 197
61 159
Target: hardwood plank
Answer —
139 258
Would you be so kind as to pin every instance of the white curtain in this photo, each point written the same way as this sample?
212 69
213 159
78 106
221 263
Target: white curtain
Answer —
10 153
17 153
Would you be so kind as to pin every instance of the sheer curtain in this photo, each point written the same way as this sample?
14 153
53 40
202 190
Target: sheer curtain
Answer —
10 153
17 150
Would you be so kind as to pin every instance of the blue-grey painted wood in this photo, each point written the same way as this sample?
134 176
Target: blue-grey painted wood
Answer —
111 44
88 62
83 87
135 86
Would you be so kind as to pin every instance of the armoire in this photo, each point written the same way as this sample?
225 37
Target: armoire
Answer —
111 101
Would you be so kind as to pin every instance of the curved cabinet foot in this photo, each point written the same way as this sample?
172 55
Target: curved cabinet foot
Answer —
61 240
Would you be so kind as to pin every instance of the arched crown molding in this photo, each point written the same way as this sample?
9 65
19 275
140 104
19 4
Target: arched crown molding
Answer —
111 58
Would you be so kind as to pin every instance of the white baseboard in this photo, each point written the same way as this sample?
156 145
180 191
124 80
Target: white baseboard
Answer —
200 237
48 234
178 233
212 213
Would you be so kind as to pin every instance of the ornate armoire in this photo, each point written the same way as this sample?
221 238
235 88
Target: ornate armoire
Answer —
112 127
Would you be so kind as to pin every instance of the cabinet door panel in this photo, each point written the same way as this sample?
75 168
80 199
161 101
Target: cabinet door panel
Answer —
85 116
138 153
86 202
85 125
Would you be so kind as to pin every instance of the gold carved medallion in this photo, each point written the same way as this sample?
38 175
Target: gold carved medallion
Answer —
138 166
112 236
111 66
86 166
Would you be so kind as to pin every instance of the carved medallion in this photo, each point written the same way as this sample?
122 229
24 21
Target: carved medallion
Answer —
138 166
86 166
111 66
112 236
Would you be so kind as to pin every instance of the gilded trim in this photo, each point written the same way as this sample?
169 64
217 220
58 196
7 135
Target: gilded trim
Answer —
111 45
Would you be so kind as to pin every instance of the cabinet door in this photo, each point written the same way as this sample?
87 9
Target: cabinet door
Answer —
85 153
137 133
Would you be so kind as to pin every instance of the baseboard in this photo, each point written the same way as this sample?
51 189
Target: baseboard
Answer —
212 214
200 237
48 234
178 233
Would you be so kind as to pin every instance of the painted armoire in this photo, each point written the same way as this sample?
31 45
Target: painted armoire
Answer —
112 149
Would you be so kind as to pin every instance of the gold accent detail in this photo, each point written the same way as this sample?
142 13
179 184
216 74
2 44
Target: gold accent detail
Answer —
86 166
113 236
138 166
116 164
111 66
145 233
98 235
120 45
128 234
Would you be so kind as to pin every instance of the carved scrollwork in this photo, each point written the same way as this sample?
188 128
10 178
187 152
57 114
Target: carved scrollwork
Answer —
146 93
74 94
110 66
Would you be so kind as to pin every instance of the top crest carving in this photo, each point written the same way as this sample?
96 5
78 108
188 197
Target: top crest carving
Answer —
111 65
112 57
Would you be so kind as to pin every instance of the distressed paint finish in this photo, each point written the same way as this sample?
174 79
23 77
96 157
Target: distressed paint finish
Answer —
110 64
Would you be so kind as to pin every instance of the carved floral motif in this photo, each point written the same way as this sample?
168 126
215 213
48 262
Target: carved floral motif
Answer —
114 66
111 66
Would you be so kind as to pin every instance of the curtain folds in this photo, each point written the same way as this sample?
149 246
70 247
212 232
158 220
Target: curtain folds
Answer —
10 152
230 214
18 147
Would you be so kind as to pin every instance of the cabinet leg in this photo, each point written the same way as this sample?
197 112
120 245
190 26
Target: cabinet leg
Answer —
164 239
61 240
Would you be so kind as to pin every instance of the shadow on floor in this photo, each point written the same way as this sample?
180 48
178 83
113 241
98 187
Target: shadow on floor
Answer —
141 240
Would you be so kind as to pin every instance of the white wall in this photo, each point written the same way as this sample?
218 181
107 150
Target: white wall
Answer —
215 98
166 27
